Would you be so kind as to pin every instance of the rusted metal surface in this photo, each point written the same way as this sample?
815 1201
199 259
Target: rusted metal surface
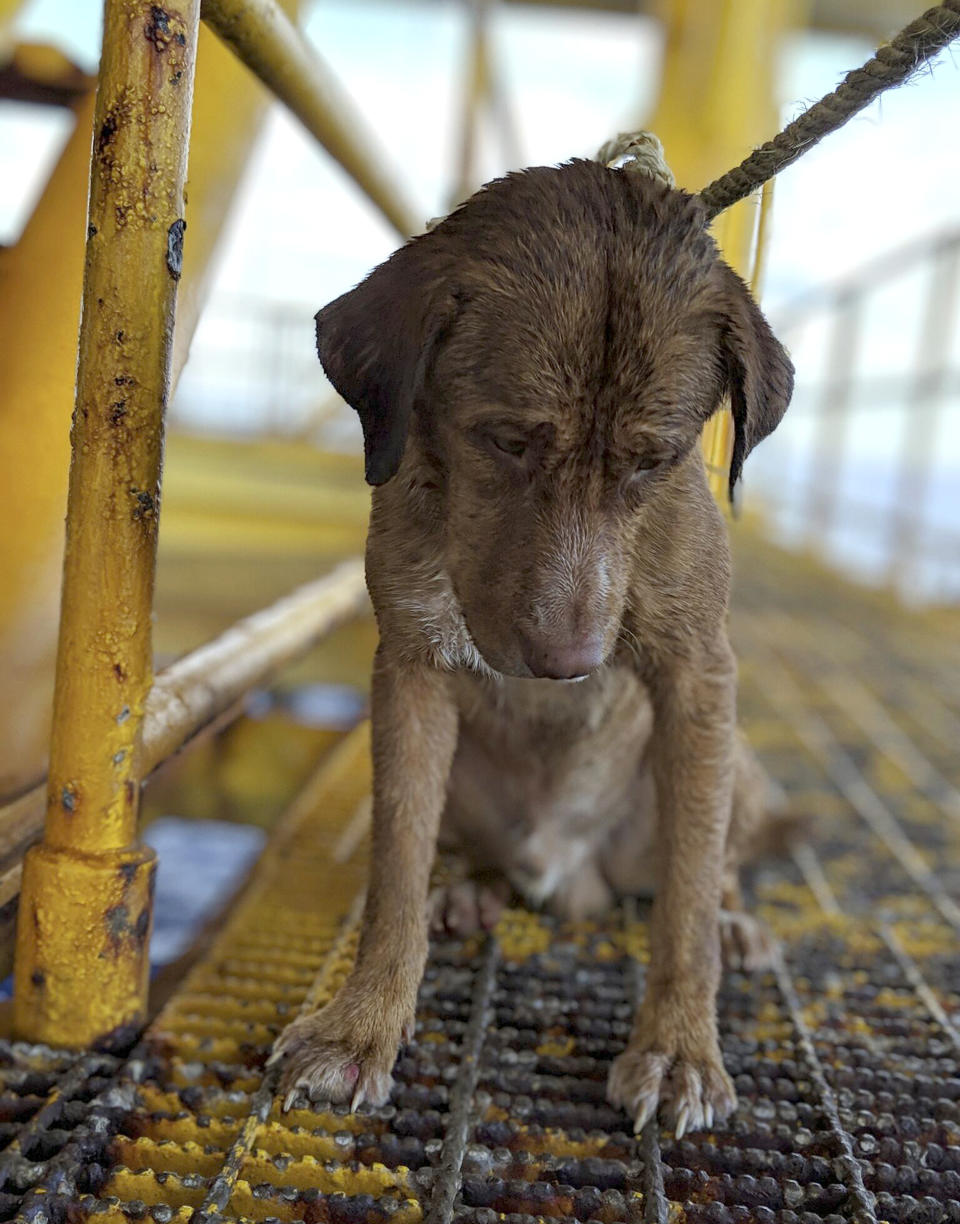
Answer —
82 936
846 1057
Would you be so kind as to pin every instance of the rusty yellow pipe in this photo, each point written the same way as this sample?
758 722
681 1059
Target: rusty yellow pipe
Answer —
40 284
271 46
743 238
83 931
476 88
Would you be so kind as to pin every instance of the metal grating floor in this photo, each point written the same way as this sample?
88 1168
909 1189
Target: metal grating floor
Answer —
846 1059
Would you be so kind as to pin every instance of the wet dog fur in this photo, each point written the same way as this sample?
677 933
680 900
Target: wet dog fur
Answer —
532 378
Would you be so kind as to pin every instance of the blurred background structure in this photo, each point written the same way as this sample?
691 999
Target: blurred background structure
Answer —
848 549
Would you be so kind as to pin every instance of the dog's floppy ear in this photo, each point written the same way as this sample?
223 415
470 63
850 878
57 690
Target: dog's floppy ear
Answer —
757 371
376 344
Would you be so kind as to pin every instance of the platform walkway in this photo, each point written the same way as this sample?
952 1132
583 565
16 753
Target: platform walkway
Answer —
846 1059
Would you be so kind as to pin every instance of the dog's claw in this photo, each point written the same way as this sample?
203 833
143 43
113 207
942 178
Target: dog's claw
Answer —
692 1093
322 1060
645 1111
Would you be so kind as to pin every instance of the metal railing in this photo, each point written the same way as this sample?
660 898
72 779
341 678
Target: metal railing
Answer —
85 909
866 465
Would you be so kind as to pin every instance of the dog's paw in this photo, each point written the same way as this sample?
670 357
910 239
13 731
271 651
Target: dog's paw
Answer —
320 1056
585 895
467 906
693 1092
745 942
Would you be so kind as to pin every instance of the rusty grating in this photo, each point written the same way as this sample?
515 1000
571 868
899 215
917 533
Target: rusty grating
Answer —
847 1059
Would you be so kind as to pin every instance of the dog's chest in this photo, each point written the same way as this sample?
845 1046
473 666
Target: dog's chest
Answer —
545 772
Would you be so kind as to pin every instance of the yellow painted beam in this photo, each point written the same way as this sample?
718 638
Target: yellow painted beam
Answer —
718 98
262 35
199 690
40 285
40 281
82 956
8 13
38 72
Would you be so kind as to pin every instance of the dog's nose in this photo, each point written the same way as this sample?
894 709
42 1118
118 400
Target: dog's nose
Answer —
562 660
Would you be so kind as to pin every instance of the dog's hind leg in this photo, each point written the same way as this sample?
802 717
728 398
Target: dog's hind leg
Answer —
747 943
464 907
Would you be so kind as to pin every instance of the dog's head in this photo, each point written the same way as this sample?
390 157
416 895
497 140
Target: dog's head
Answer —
542 363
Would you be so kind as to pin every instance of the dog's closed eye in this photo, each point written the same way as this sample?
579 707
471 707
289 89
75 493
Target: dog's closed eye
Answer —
514 445
514 448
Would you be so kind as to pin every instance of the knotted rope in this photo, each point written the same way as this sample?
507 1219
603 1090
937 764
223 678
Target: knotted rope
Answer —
637 153
893 64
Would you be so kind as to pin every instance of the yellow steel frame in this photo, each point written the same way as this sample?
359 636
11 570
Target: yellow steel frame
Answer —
85 913
262 35
483 89
39 302
85 909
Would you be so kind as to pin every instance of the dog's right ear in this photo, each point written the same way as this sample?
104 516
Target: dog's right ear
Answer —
377 343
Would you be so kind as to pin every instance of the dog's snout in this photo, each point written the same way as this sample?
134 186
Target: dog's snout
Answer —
561 659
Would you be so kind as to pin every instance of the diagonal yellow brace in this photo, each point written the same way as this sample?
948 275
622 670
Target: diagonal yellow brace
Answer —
83 932
268 42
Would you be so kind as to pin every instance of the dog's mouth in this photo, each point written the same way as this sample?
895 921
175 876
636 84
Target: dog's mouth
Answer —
510 658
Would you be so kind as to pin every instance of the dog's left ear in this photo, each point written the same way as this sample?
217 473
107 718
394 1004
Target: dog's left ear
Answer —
757 371
377 343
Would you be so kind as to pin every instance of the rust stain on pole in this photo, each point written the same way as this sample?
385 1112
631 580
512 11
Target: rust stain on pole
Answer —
82 940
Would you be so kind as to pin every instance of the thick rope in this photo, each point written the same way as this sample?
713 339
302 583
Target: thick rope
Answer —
894 63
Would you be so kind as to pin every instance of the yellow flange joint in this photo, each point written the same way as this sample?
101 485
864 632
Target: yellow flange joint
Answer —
84 934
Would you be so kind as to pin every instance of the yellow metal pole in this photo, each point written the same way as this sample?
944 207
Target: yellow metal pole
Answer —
271 46
82 962
41 278
717 100
8 13
40 281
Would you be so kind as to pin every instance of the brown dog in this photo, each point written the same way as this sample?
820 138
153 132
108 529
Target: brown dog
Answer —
532 378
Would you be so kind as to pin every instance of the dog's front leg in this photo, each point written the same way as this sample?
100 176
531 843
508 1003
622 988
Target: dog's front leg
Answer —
346 1051
673 1056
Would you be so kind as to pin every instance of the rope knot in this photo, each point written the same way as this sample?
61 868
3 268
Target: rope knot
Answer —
637 153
